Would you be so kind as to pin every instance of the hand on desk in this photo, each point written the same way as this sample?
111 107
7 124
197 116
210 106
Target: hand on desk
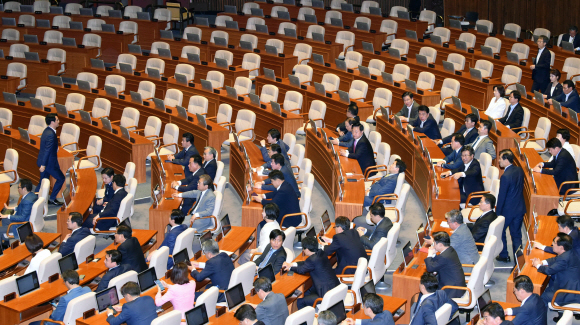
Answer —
344 153
193 266
348 321
533 66
286 266
440 163
170 157
536 262
537 169
175 195
334 141
117 308
326 240
174 184
550 101
446 174
257 184
457 175
539 246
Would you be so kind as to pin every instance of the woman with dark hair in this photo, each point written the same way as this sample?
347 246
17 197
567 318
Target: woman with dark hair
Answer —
181 293
498 104
554 87
35 245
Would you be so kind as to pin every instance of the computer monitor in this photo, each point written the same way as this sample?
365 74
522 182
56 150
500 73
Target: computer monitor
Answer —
30 39
310 19
98 64
76 25
448 66
143 16
197 315
181 256
193 57
166 34
201 21
206 236
68 262
221 63
147 279
193 37
318 37
43 23
261 29
31 56
482 29
27 283
407 253
111 91
411 85
136 97
267 272
107 298
520 259
336 22
394 53
290 32
226 225
206 85
483 301
510 34
411 34
55 80
164 53
24 231
235 296
115 14
24 136
368 287
311 233
8 21
246 45
109 28
338 311
159 104
84 11
436 40
326 223
257 12
254 99
126 68
201 120
461 45
403 15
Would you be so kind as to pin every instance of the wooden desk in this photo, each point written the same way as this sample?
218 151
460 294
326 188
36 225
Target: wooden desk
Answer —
392 304
12 257
85 183
159 213
10 84
558 121
37 72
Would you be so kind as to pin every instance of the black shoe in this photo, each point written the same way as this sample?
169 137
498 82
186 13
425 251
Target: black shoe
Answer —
5 245
501 259
55 202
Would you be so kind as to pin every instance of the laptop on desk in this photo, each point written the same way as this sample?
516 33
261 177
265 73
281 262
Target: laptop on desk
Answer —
75 25
126 68
159 104
193 37
261 28
85 12
276 108
318 4
68 41
166 34
6 21
364 71
475 74
197 315
84 85
106 123
201 120
403 15
448 66
557 107
340 64
153 73
254 99
111 91
343 96
319 88
454 23
375 11
510 34
318 37
421 59
107 298
85 117
232 92
67 263
220 41
336 22
482 29
61 110
98 64
411 85
221 63
134 48
461 45
436 40
27 283
230 9
181 79
290 32
257 12
387 78
36 103
194 58
9 97
456 102
164 53
143 16
522 89
31 56
411 34
368 47
346 7
115 14
136 97
181 112
269 74
285 15
206 85
201 21
513 57
235 296
246 45
271 49
363 26
55 80
394 53
567 46
310 19
109 28
125 133
294 81
24 136
30 39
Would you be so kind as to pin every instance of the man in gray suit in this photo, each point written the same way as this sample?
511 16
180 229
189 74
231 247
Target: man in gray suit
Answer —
204 203
409 112
483 143
373 308
273 309
461 239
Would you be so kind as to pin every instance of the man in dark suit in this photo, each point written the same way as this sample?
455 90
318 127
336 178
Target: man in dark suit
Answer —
78 233
247 315
47 160
175 228
273 138
361 149
510 203
515 114
493 314
569 96
182 157
541 66
278 162
468 175
107 176
533 310
571 37
429 301
468 130
446 264
21 212
426 124
351 112
373 307
137 310
274 253
453 158
190 182
273 309
409 112
480 227
210 162
130 249
383 226
347 245
385 185
565 225
320 269
111 209
112 261
218 268
284 197
563 166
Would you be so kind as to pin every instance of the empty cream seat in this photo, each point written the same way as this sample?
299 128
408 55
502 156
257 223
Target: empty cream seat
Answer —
458 61
104 10
364 20
17 50
163 14
429 52
128 59
336 4
395 11
304 73
401 72
146 89
219 33
252 39
469 39
278 44
26 20
442 32
510 77
216 78
11 34
382 97
155 63
485 67
486 23
376 67
253 21
571 67
57 55
53 36
426 81
522 50
513 27
43 6
542 31
276 9
285 25
130 27
173 97
159 45
449 88
364 7
186 70
220 21
116 81
61 21
224 54
243 86
303 52
131 11
389 27
493 43
20 70
247 7
353 59
251 62
345 38
293 101
358 91
244 126
305 11
331 82
46 94
316 113
75 102
197 105
73 8
36 125
12 5
314 29
5 117
401 45
101 108
129 118
191 30
90 39
428 16
269 93
189 49
69 137
332 14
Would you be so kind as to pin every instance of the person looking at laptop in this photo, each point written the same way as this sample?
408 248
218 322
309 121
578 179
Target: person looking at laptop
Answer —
114 267
247 315
273 309
137 310
345 138
218 268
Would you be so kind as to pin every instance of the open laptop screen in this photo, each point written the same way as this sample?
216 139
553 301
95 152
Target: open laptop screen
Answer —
235 296
147 279
68 262
107 298
27 283
197 315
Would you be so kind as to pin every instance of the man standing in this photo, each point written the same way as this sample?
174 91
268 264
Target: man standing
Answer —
273 309
541 66
532 310
480 227
468 130
483 143
468 176
284 197
111 209
562 167
78 233
21 212
426 124
453 158
210 161
130 249
569 96
446 264
47 160
409 112
571 37
361 149
347 245
515 114
190 182
182 157
510 203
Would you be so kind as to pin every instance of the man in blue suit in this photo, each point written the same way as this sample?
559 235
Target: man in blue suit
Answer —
273 137
532 310
107 176
510 203
21 212
182 157
562 166
78 233
541 65
453 159
190 182
467 130
176 227
429 301
284 197
468 175
113 259
218 268
136 311
71 281
569 96
385 185
130 249
565 225
111 209
210 161
373 308
361 149
278 162
47 160
493 314
426 124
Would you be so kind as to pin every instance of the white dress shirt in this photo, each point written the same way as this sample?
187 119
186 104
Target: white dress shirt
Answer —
35 261
496 108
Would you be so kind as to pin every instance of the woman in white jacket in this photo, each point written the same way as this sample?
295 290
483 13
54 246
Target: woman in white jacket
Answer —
497 105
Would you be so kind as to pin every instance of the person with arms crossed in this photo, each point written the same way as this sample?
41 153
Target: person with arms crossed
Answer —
468 176
218 268
361 149
429 301
284 197
541 66
483 143
273 137
493 314
273 309
136 310
569 96
35 246
532 310
78 233
111 209
347 245
47 160
130 249
446 264
453 159
409 112
210 161
554 88
270 213
480 227
565 225
21 212
114 267
496 107
182 157
247 315
562 167
107 176
515 113
174 229
190 183
274 253
181 293
571 37
426 124
385 185
382 228
204 203
373 307
279 163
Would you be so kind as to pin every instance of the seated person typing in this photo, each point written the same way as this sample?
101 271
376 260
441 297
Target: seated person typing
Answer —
453 159
426 124
218 268
345 138
111 209
136 310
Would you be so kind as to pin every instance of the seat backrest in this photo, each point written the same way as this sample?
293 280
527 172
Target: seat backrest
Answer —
448 127
131 11
209 297
246 119
11 34
220 21
171 318
485 67
484 22
8 285
293 102
171 134
304 315
89 77
253 21
496 229
494 43
158 260
330 81
377 259
184 240
513 27
275 9
526 120
173 97
46 94
468 38
224 113
353 59
48 267
36 126
216 78
395 10
314 29
115 81
104 10
458 61
189 49
401 72
53 36
224 54
17 50
429 52
146 89
197 105
442 32
443 314
297 156
333 296
84 248
192 30
95 24
391 247
522 50
304 72
243 274
37 214
269 93
305 11
5 117
332 14
485 162
358 89
128 59
426 80
120 280
250 38
219 33
487 252
101 108
185 69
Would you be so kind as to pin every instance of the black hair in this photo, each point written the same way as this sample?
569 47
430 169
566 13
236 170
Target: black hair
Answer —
327 318
468 148
565 221
76 217
430 282
517 95
263 283
108 171
377 209
507 154
556 73
494 310
441 237
207 181
458 137
277 232
177 216
407 93
565 133
359 126
131 288
276 174
574 28
245 312
524 282
554 143
119 180
278 159
489 199
197 159
500 90
50 117
26 183
188 137
423 108
401 165
274 147
127 232
374 302
353 109
310 244
569 83
115 256
33 243
564 240
70 276
342 222
275 134
272 211
486 124
472 117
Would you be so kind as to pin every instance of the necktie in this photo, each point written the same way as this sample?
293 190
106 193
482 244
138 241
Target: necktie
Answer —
197 203
475 143
465 133
354 145
510 113
265 261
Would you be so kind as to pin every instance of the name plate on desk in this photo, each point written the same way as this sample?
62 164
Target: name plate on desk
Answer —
396 84
218 237
420 92
220 310
523 64
403 58
54 27
197 255
203 62
46 109
21 104
401 268
94 123
3 40
20 25
10 296
326 64
89 313
137 73
38 12
42 43
232 68
431 65
329 95
191 84
216 91
53 278
14 244
95 91
256 51
8 57
458 73
278 79
496 56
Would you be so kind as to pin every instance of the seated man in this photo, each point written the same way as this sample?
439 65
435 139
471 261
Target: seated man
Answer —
515 113
111 209
247 315
284 197
565 225
135 310
347 245
210 161
564 136
204 203
274 149
461 239
467 130
274 253
453 158
569 96
385 185
373 306
361 149
190 182
345 138
130 249
429 301
571 37
493 314
382 228
78 233
446 264
270 214
562 167
480 227
409 112
175 228
21 212
112 261
218 268
426 124
533 310
351 112
483 143
188 151
273 138
273 309
107 176
279 163
468 176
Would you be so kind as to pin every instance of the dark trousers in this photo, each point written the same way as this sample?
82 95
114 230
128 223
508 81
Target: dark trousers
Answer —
101 225
361 221
221 296
540 85
309 297
515 225
57 175
4 227
187 205
447 150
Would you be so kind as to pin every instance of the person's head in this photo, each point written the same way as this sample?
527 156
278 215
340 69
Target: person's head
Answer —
107 175
277 178
309 245
372 303
562 243
467 154
493 314
130 291
274 149
554 75
341 224
180 273
348 123
209 153
52 120
563 135
113 258
271 212
195 163
74 221
554 146
429 283
119 181
454 219
25 186
210 248
176 217
246 314
498 91
352 110
487 202
187 140
33 243
484 127
273 136
277 238
565 223
327 318
263 286
357 130
423 113
205 182
398 166
123 233
441 241
70 278
457 141
408 98
470 120
277 161
542 41
377 212
568 86
515 97
506 158
523 287
572 31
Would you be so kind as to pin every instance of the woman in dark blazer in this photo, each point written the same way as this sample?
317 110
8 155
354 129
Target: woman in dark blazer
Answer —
554 87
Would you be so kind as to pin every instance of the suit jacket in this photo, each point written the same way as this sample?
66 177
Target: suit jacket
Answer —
575 234
24 209
472 182
485 145
385 185
453 160
348 248
273 310
107 277
112 207
534 311
320 269
210 169
414 112
133 255
346 140
207 204
182 158
190 182
141 311
463 243
109 191
430 127
557 91
563 169
288 177
563 271
516 118
381 230
48 148
364 153
469 138
384 318
287 202
449 271
283 146
277 259
60 310
218 269
68 246
541 72
480 227
424 314
566 38
169 241
510 199
573 101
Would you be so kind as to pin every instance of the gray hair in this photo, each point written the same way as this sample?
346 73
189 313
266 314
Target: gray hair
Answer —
210 246
454 216
327 318
212 151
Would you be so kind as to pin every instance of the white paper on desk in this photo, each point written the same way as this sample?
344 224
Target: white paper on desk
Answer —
227 252
434 161
444 224
349 174
201 265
